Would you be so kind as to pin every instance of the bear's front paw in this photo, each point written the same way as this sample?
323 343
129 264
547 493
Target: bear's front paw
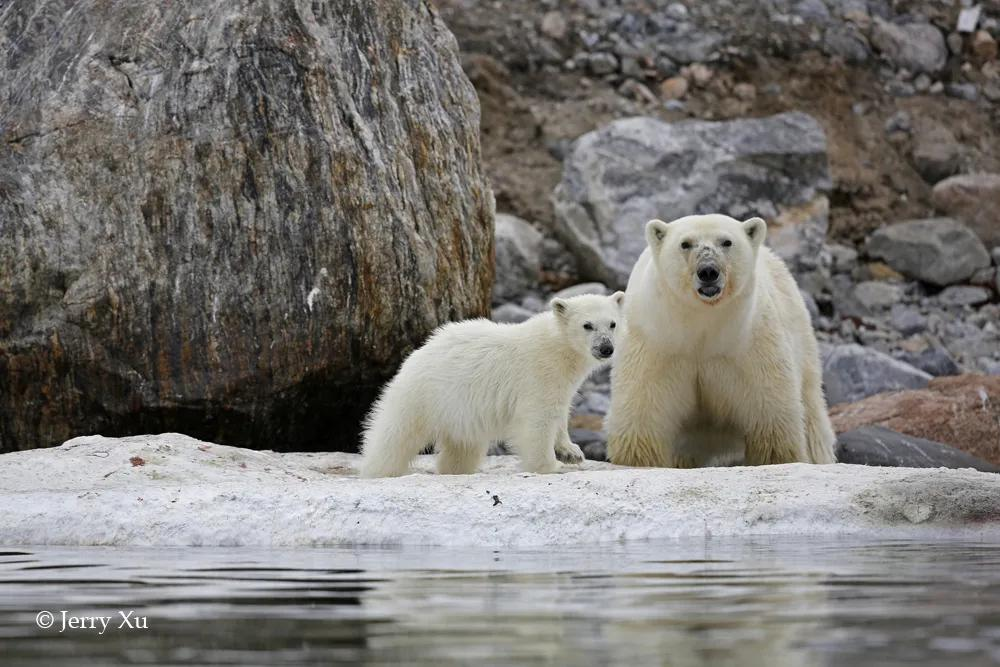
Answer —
569 452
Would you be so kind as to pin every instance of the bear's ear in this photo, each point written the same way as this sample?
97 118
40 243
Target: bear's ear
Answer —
618 298
756 230
560 308
656 231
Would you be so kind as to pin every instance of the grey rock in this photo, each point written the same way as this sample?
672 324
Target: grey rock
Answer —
940 251
898 88
518 257
918 47
692 48
596 403
582 288
907 321
630 67
602 63
812 10
933 360
995 254
962 91
878 446
843 259
593 444
533 303
963 295
232 220
846 42
877 295
852 372
974 199
899 122
510 313
936 153
625 173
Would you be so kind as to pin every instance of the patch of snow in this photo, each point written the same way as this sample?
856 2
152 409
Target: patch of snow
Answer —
174 490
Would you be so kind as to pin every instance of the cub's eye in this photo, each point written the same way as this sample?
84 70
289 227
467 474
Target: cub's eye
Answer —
686 245
588 326
727 244
613 325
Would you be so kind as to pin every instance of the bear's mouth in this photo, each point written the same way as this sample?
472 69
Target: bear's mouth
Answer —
709 292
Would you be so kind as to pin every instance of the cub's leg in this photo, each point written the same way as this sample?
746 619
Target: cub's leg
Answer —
459 458
566 450
532 438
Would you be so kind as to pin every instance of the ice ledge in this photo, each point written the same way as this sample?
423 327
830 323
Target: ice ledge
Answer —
173 490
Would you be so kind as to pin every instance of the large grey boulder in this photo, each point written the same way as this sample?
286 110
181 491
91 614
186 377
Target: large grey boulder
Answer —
518 258
878 446
228 218
852 372
917 46
940 251
627 172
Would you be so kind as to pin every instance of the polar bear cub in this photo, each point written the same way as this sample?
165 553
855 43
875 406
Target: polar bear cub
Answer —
720 362
475 382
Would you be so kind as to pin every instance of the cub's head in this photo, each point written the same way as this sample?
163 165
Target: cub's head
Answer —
591 322
705 259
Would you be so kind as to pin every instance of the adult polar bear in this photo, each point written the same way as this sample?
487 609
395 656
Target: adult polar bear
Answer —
719 361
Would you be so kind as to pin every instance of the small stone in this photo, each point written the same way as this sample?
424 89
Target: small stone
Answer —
962 91
917 46
665 66
602 63
843 259
554 25
745 91
699 73
984 47
899 122
630 67
936 153
995 253
674 88
963 295
968 19
955 43
637 91
907 321
922 83
677 11
875 295
975 200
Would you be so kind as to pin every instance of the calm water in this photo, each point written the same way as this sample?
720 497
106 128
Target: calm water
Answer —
810 602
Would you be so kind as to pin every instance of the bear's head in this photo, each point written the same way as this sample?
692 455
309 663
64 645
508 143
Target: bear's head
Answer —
705 259
591 322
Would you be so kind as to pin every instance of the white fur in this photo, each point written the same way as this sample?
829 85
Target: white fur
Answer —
477 381
701 380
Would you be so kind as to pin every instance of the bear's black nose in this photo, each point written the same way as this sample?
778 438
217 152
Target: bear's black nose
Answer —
606 350
708 273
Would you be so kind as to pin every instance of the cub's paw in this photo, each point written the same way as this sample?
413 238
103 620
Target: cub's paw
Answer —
569 453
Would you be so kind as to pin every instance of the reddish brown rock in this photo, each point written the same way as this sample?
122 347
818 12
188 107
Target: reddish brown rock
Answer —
962 411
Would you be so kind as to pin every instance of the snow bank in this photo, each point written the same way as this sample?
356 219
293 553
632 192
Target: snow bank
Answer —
173 490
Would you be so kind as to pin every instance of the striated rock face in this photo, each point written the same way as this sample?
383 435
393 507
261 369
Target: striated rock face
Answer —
231 219
619 176
962 411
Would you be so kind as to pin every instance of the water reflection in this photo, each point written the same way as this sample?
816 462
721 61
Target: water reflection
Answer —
716 602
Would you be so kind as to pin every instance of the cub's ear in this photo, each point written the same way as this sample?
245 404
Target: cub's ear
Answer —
618 298
656 231
560 308
756 230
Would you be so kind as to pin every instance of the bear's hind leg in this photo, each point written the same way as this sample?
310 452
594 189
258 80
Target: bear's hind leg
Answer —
459 458
820 438
778 439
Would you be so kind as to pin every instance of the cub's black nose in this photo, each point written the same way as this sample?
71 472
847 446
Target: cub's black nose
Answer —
708 274
606 351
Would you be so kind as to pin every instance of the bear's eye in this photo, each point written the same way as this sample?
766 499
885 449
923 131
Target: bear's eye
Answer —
727 244
685 245
588 326
612 325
